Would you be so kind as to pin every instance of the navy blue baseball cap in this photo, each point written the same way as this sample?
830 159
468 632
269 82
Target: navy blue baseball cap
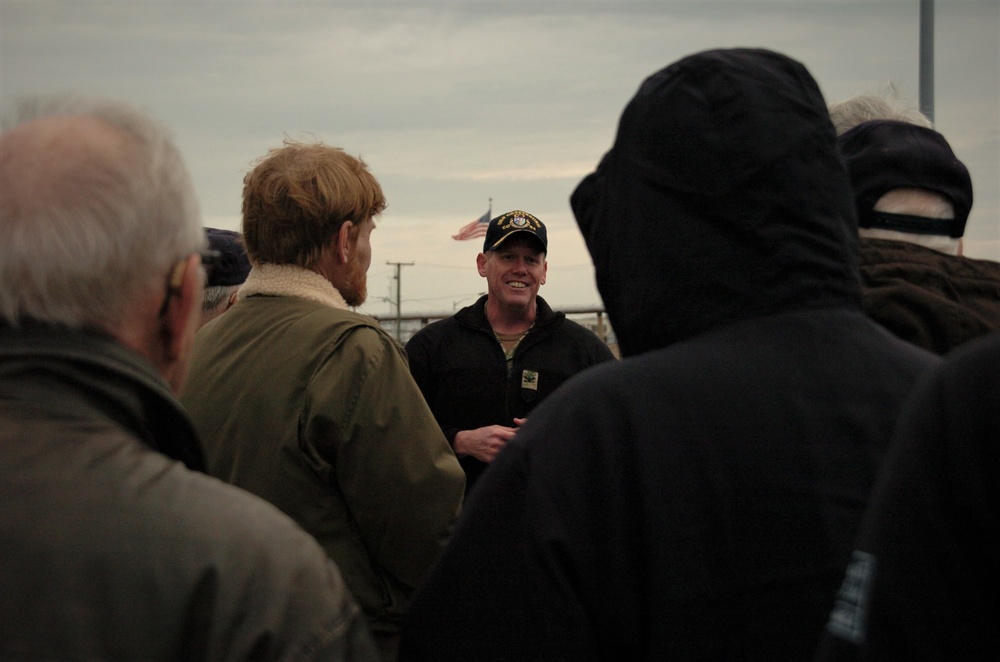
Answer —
882 155
511 223
232 265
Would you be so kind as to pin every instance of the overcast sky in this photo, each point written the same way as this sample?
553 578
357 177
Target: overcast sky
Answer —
455 103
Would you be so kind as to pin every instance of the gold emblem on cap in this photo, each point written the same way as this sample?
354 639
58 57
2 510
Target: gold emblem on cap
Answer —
519 220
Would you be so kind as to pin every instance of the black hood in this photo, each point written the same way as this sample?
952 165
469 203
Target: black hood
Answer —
723 198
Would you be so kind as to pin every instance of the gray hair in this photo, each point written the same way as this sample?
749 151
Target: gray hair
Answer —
885 105
217 296
83 246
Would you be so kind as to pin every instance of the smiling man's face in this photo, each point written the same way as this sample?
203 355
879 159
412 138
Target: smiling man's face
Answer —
514 271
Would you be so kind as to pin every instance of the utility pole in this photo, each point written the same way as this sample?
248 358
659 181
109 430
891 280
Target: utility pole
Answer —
927 58
399 287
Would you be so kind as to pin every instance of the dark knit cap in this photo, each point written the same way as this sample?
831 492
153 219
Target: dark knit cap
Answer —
882 155
233 265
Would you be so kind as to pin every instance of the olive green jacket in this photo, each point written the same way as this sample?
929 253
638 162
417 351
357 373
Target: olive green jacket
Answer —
312 407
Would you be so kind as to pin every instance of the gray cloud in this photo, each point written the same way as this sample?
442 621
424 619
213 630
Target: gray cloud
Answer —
453 103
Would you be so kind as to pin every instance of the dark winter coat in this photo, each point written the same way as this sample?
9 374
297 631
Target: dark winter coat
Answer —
112 549
931 299
699 499
924 582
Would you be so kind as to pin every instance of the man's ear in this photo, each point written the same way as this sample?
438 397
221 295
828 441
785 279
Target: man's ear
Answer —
184 309
481 264
180 321
344 243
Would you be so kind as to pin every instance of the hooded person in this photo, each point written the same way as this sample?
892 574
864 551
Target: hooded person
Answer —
698 499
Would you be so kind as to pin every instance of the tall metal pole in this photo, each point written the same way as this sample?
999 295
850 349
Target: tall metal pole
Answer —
927 58
399 287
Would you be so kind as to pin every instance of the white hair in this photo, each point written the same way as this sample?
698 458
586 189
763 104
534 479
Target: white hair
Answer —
885 105
82 246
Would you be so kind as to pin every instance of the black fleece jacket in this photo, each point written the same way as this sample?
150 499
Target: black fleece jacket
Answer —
461 369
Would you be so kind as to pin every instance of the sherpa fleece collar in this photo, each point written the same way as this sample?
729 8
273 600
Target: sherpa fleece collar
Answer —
286 280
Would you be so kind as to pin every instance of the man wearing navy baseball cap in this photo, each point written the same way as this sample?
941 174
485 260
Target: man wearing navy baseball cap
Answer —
231 268
483 369
912 197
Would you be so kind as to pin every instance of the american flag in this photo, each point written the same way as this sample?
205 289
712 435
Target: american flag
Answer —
476 228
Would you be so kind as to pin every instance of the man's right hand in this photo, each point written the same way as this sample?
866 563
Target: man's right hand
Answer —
483 443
